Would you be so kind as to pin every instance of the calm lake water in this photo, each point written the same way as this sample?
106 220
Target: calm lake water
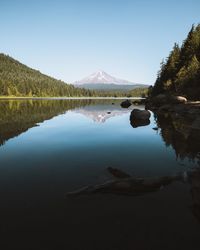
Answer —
51 147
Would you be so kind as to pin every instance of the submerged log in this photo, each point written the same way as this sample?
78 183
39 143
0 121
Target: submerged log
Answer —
139 186
127 185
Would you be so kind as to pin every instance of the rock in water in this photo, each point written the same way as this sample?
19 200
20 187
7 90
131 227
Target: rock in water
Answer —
126 104
139 118
140 114
139 123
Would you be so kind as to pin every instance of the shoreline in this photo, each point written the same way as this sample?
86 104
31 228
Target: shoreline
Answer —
186 114
69 98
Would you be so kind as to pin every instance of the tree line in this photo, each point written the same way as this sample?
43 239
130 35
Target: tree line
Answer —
180 72
16 79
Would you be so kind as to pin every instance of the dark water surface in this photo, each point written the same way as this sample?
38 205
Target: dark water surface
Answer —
51 147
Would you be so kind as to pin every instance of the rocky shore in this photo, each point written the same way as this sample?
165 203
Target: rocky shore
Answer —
177 107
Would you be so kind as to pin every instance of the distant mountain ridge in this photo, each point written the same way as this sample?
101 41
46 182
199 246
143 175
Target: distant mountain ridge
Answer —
101 80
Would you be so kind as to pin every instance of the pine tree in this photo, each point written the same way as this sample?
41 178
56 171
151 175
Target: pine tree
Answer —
167 73
180 73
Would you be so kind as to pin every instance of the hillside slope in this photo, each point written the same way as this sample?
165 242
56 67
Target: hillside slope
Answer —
16 79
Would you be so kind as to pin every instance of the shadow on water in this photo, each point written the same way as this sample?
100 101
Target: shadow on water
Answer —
177 132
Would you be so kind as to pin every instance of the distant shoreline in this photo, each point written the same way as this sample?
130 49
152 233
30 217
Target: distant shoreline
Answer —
68 98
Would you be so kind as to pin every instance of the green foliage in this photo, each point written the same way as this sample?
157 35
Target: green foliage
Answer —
17 79
180 73
138 92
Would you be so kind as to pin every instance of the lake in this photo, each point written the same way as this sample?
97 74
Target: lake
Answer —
51 147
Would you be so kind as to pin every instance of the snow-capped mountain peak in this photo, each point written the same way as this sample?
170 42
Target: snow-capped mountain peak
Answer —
101 77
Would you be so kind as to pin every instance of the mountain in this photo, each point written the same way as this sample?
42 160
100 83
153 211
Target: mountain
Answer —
16 79
101 77
101 80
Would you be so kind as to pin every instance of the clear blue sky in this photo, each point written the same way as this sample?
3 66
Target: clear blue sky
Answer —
69 39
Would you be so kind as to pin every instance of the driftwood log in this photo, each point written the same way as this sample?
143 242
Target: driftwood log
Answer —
127 185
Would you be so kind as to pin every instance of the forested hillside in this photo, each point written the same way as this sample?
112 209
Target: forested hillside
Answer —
180 72
137 92
17 79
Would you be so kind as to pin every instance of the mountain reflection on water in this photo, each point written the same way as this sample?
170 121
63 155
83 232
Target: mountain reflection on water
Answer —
17 116
102 114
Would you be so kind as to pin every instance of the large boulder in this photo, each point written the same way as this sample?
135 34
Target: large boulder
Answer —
163 99
178 99
140 114
139 118
126 104
139 123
